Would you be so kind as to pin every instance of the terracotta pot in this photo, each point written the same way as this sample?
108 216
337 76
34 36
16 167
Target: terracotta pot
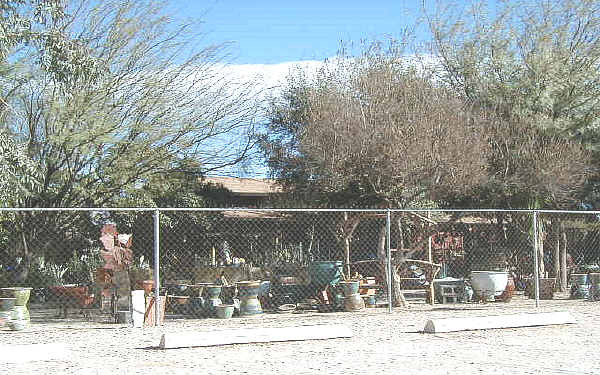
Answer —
146 285
508 293
103 276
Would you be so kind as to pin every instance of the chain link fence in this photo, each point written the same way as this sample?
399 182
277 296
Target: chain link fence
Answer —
109 264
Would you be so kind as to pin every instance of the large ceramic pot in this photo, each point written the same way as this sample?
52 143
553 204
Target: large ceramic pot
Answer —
6 310
546 286
353 302
20 313
594 282
224 311
579 285
458 284
249 303
213 291
21 294
508 293
488 284
349 287
323 273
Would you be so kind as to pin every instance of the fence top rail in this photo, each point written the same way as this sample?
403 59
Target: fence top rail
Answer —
215 209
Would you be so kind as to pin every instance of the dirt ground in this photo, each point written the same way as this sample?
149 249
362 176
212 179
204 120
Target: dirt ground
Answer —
381 343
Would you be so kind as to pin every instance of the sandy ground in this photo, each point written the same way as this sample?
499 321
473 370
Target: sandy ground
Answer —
382 343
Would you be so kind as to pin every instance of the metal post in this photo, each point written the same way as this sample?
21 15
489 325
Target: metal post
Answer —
156 268
536 271
430 259
389 261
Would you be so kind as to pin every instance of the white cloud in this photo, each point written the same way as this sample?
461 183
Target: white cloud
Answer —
268 77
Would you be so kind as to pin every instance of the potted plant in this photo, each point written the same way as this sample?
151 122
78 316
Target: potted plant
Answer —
350 288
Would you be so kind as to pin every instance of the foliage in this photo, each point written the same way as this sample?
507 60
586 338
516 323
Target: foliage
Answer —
20 176
149 112
372 131
40 25
535 60
43 273
534 64
153 105
82 266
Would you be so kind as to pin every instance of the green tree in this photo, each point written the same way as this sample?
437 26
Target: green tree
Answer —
153 103
535 64
19 174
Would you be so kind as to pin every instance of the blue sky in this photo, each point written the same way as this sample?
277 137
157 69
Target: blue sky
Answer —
270 32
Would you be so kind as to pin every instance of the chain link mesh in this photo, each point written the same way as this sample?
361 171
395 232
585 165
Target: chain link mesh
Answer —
250 262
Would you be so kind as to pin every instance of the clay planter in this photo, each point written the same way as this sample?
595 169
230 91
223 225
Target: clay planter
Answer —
579 286
508 293
353 302
323 273
546 288
212 301
146 285
594 282
487 285
6 310
19 293
224 311
180 300
7 304
18 325
249 303
349 287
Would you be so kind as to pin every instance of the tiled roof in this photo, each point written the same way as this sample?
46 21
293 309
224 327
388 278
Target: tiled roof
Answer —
245 186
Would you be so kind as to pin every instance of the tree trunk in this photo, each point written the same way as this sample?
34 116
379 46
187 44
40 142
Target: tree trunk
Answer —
394 290
400 233
346 228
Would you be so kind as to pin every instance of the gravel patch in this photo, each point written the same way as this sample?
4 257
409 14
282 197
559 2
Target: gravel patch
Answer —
381 342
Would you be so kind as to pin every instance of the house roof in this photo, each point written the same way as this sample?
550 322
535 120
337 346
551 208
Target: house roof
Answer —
249 187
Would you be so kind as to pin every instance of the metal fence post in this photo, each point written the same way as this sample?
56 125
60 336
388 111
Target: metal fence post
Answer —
389 261
535 259
156 267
